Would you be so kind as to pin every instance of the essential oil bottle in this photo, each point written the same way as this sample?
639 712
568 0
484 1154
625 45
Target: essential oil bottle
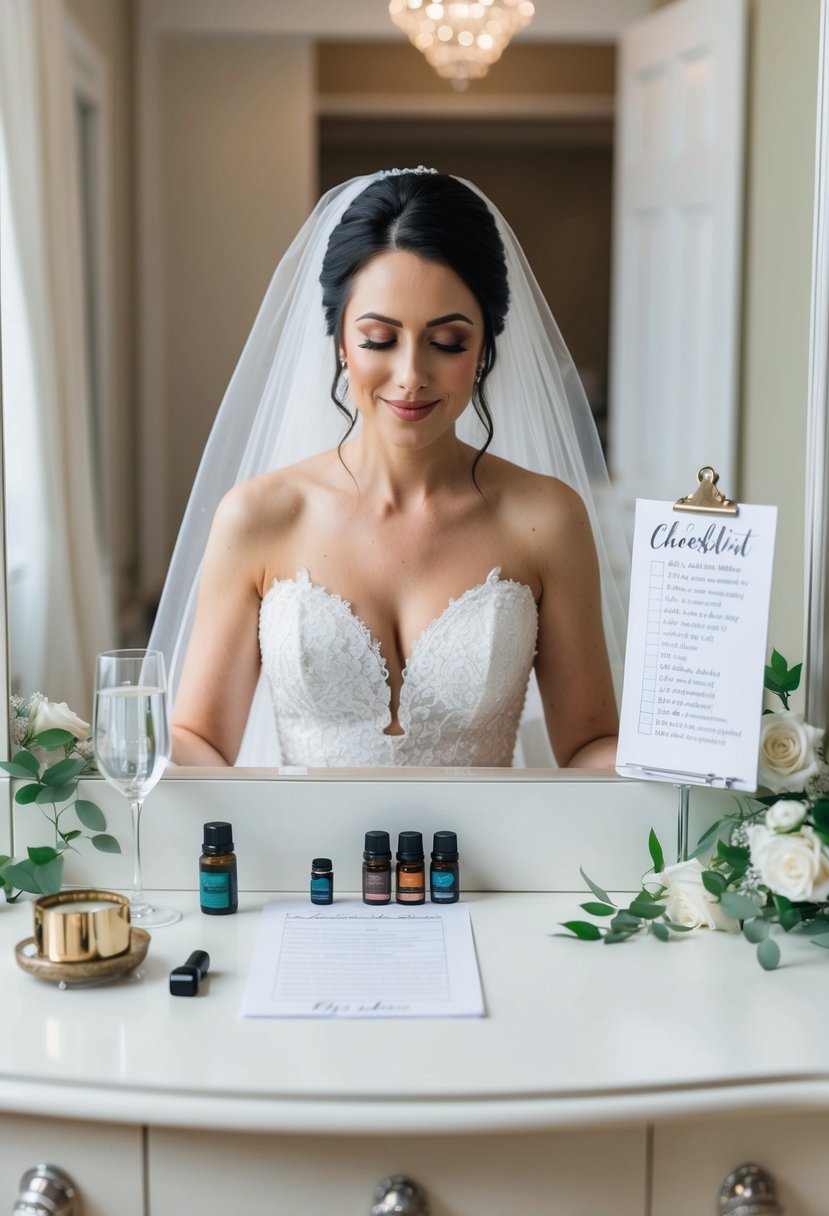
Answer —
377 868
322 881
411 869
218 887
444 874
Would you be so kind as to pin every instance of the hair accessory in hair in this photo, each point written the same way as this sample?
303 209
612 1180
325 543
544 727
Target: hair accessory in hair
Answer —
397 172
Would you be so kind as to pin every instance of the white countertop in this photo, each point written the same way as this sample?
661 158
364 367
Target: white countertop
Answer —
575 1033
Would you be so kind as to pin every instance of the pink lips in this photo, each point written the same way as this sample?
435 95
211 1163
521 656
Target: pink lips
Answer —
411 411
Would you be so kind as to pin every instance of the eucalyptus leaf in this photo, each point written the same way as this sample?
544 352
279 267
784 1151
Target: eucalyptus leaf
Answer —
56 793
617 935
708 837
655 850
36 879
73 835
661 931
90 815
768 954
17 770
41 854
677 928
625 920
65 770
597 890
105 844
714 882
755 930
734 854
646 909
28 793
580 928
598 909
738 906
26 760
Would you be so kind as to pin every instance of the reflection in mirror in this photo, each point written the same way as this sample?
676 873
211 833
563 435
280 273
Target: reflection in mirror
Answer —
205 249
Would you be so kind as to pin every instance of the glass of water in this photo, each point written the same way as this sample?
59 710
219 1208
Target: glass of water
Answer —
131 737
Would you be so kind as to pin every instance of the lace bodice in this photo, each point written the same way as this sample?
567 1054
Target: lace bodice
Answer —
462 692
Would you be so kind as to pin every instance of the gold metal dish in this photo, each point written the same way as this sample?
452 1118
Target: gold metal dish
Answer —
30 961
81 926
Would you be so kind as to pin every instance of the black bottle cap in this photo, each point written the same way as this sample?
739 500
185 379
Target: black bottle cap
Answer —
410 846
445 846
218 837
321 863
377 845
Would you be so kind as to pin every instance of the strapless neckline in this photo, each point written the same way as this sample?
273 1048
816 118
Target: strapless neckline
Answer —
302 578
461 691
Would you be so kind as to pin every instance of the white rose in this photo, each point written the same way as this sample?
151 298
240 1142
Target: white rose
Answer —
786 815
787 751
687 901
794 865
53 715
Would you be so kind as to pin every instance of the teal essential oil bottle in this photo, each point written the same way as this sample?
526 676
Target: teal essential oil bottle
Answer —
218 885
444 872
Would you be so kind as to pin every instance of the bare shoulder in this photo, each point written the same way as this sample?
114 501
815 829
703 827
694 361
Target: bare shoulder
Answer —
272 501
541 508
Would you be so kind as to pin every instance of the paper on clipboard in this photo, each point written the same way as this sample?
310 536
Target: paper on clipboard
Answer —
348 960
697 630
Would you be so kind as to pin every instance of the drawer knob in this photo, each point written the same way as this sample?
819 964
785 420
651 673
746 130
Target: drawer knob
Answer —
749 1191
399 1196
46 1191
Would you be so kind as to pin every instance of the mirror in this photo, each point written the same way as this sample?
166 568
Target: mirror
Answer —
171 47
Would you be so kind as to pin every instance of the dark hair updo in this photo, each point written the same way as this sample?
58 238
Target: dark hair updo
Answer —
438 218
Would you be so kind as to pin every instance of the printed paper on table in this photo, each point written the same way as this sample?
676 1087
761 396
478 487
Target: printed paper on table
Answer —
349 960
696 648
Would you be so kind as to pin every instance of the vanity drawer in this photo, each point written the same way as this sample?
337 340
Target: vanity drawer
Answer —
105 1161
590 1173
691 1160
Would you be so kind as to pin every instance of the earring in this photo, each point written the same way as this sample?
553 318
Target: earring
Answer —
343 363
479 371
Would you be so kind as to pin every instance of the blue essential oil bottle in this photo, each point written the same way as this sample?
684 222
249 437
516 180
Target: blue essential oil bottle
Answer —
444 873
322 881
218 885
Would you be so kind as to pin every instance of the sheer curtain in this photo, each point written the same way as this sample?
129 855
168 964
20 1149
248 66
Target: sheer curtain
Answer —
59 614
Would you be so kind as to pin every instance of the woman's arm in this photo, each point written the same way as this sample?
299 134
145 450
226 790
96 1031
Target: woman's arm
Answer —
221 667
572 664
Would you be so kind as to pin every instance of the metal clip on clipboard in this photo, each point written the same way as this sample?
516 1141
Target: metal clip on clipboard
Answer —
705 500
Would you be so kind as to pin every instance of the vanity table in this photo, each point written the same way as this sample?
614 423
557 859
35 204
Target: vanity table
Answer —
626 1080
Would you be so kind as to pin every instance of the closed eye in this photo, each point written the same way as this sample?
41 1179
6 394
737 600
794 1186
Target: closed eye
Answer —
454 348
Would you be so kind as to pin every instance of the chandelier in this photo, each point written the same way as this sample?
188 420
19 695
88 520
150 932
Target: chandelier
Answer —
461 39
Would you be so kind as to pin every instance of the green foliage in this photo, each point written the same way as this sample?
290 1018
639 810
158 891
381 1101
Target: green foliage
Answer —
53 788
780 679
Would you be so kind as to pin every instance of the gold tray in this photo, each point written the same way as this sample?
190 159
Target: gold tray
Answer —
89 972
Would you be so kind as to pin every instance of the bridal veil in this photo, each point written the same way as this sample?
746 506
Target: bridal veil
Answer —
277 410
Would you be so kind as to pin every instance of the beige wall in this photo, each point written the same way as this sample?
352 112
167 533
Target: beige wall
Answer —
237 180
777 285
107 25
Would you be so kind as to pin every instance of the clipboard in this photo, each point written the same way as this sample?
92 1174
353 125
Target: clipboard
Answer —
697 638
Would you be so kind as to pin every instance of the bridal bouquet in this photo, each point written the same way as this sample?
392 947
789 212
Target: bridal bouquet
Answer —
766 863
53 754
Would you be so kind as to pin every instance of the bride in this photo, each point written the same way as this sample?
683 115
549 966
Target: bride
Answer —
391 592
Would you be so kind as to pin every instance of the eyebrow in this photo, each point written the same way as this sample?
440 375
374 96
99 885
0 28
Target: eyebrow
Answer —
452 316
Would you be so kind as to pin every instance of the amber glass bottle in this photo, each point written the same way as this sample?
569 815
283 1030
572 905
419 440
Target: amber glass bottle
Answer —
411 869
218 886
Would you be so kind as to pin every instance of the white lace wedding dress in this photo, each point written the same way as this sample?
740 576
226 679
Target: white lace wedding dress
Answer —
463 686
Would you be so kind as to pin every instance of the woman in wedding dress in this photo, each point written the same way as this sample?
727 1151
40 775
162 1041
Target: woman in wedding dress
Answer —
393 593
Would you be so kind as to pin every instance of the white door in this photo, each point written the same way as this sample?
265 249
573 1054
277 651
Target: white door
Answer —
677 243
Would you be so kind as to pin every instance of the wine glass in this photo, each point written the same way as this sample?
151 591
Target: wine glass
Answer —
131 737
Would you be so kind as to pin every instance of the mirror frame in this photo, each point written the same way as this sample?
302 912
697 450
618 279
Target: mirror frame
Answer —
816 563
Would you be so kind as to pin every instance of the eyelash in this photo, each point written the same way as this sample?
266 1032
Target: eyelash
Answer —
454 349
